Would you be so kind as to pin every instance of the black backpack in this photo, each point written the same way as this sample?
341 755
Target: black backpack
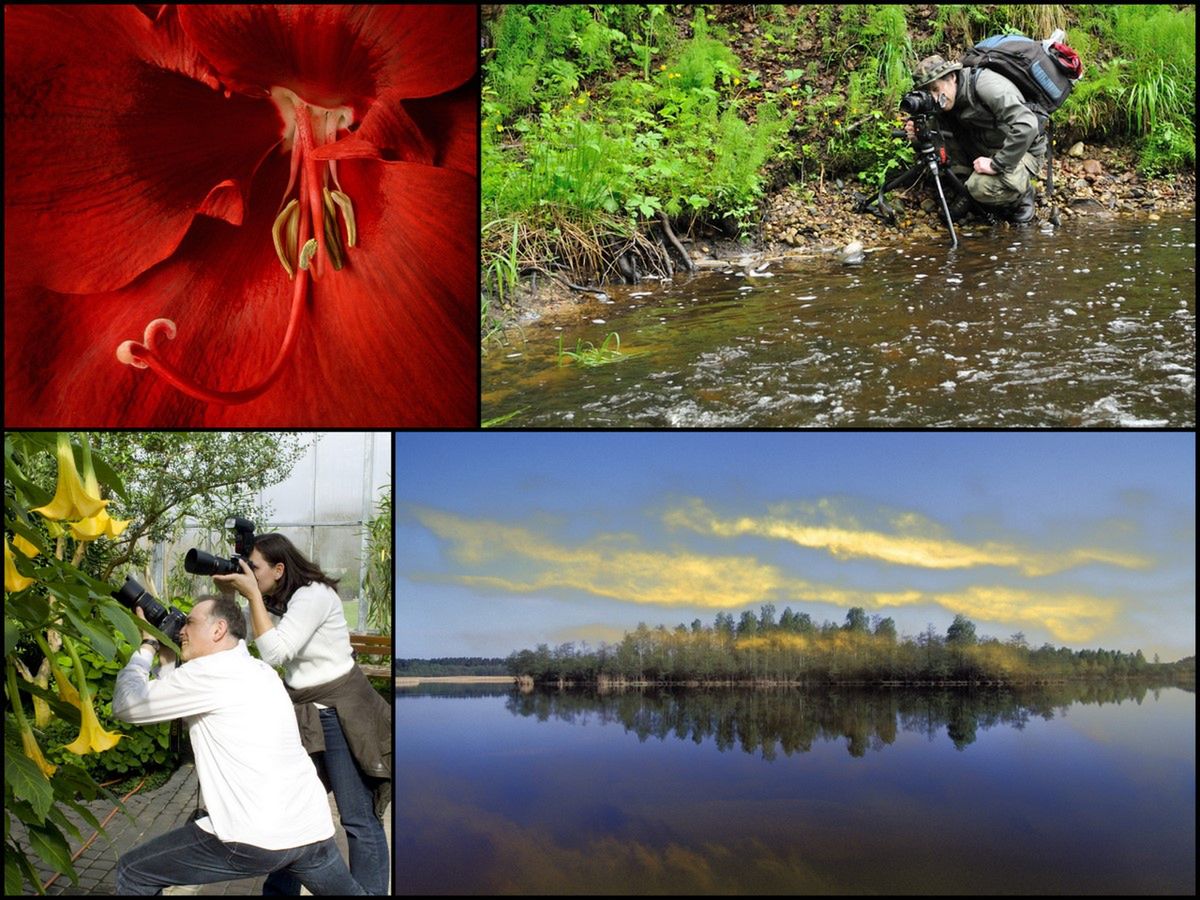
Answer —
1043 73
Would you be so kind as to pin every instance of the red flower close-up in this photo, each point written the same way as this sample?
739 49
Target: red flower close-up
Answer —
243 216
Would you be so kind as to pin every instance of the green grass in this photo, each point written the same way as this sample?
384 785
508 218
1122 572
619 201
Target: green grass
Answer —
589 355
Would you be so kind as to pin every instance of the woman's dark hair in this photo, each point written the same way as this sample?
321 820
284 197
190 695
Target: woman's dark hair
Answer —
297 569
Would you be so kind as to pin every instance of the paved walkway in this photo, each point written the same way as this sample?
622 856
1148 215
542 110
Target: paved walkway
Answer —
149 816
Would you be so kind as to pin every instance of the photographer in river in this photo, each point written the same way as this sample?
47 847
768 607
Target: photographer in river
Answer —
297 623
266 810
994 135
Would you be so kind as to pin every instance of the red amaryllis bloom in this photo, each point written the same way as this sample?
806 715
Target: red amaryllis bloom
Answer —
240 216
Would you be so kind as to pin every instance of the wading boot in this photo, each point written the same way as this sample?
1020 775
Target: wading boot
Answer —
1021 213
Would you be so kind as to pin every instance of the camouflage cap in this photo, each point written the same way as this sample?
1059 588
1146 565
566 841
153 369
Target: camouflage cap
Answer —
931 69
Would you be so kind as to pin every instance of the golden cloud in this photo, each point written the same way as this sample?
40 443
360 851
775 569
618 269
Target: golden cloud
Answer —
608 566
915 541
514 559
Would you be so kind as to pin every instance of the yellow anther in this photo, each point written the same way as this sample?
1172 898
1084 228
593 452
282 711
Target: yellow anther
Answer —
307 252
289 219
347 209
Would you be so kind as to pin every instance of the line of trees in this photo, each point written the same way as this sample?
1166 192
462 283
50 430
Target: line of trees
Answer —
452 665
793 648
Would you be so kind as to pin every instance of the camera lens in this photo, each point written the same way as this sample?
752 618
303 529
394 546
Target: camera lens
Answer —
132 595
918 103
200 563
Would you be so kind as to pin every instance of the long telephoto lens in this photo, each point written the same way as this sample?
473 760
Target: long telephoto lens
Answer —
133 595
200 563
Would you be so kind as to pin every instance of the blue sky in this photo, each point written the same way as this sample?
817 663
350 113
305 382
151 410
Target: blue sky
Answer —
506 540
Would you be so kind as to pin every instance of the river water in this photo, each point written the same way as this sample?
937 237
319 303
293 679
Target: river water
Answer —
1055 790
1089 325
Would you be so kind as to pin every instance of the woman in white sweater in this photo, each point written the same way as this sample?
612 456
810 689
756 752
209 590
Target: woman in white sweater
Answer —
297 623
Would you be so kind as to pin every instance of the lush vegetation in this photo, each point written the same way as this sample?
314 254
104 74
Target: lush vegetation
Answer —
793 648
451 665
77 508
599 120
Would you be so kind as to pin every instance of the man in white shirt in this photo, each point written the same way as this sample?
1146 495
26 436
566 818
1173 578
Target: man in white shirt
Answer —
266 807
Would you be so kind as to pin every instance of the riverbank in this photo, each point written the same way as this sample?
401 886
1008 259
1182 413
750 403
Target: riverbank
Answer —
1102 183
633 144
414 680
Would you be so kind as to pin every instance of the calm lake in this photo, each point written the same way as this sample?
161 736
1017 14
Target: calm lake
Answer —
1054 790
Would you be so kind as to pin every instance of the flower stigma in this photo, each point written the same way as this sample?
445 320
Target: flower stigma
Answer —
305 234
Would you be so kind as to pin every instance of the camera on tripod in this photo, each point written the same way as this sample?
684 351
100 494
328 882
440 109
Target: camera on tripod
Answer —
168 620
198 562
918 103
921 106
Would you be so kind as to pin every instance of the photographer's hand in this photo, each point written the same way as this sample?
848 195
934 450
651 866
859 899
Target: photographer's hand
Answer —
246 584
243 582
983 165
165 654
911 130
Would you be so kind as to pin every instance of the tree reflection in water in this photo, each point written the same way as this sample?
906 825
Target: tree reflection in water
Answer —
769 720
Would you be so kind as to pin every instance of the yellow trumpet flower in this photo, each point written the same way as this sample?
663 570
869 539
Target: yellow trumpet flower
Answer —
26 547
28 742
92 737
66 690
30 745
101 524
71 499
13 580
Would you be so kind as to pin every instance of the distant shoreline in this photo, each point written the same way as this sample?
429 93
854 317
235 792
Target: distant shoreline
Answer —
414 680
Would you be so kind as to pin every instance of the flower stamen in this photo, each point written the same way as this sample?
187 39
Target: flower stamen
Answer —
304 234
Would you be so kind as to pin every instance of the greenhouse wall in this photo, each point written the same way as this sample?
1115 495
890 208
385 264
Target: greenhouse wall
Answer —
321 507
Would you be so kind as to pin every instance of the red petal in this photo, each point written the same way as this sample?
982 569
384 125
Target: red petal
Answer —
390 341
439 131
403 317
338 55
110 152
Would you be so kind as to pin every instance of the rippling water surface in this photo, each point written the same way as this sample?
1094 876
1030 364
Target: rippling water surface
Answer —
1090 325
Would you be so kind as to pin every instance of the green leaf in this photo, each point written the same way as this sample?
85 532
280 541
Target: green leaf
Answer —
108 475
28 783
97 639
121 620
52 847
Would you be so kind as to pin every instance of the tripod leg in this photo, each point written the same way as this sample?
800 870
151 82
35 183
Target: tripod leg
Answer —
946 210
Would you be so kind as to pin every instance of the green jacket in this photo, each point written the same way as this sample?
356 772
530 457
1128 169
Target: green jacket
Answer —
990 113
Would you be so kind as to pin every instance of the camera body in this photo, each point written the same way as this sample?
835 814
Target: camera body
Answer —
923 109
167 620
918 103
198 562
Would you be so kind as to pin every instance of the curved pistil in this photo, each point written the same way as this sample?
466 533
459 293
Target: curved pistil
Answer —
305 234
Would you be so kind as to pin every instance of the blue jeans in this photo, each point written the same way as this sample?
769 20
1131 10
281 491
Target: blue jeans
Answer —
190 855
365 837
